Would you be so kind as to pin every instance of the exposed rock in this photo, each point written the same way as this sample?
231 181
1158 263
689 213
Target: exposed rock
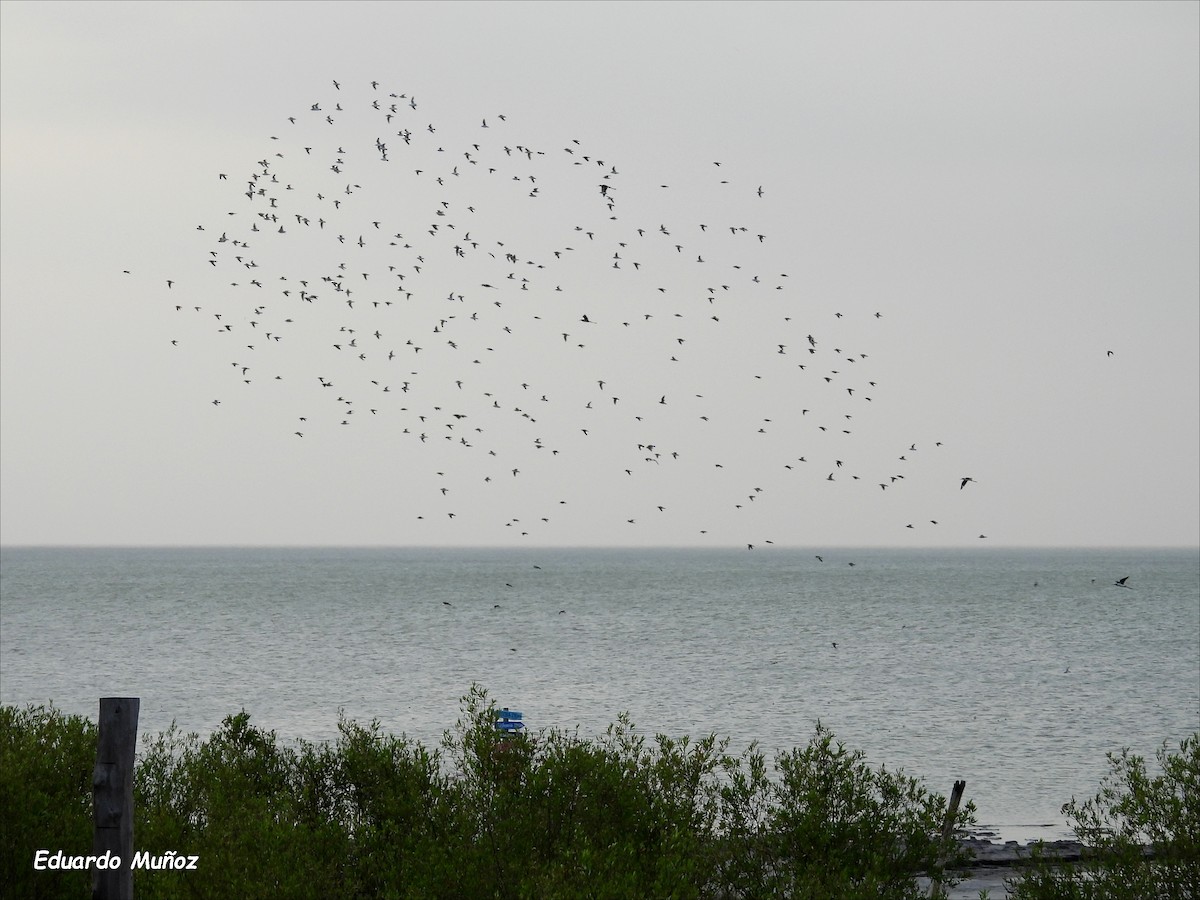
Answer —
988 853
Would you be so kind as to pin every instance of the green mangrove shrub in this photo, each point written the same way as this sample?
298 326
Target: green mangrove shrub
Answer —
265 820
46 763
485 814
1141 831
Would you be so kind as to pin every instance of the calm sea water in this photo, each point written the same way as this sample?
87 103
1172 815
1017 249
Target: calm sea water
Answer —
1017 670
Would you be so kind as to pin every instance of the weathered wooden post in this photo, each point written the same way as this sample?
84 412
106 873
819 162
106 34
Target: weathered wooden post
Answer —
952 809
112 796
935 886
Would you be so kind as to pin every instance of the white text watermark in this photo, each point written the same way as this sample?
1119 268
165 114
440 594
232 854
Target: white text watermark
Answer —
172 859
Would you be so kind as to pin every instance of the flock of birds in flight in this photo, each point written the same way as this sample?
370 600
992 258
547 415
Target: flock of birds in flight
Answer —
521 326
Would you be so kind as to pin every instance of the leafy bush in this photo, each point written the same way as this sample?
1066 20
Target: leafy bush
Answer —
46 763
562 817
844 830
1133 813
264 820
393 804
487 814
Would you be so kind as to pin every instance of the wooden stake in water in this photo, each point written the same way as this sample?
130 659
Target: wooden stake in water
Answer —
935 886
952 809
112 796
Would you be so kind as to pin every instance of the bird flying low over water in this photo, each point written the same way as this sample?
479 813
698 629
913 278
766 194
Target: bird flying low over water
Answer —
1120 582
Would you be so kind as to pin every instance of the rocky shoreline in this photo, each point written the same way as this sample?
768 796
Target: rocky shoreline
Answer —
1013 853
994 864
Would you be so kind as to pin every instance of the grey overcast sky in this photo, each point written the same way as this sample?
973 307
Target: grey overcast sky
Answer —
984 215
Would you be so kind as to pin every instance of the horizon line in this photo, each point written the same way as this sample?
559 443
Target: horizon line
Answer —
542 547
